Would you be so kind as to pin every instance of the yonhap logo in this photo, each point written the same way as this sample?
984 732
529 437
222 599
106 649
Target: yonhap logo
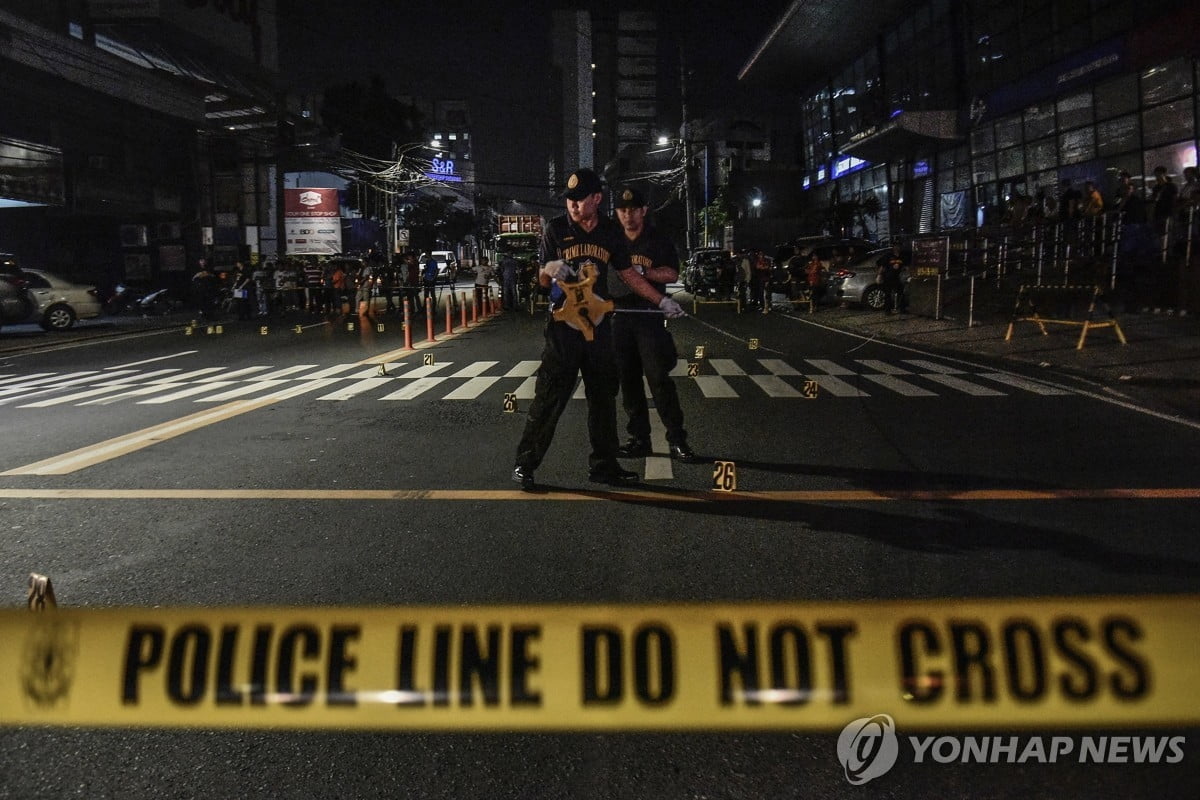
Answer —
868 748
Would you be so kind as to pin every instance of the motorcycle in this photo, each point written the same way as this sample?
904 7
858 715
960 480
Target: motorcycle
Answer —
137 300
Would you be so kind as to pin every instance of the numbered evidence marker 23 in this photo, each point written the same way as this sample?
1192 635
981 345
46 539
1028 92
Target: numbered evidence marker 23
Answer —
724 476
693 369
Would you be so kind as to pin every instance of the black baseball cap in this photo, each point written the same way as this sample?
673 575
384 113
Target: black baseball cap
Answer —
582 183
630 197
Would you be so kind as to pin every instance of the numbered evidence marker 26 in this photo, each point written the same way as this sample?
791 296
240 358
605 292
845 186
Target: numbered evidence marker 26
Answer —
724 476
510 402
754 344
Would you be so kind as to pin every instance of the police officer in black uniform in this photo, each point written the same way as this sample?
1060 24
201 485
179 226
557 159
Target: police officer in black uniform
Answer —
570 242
641 340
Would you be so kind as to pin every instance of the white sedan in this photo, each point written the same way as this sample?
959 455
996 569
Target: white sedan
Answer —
58 302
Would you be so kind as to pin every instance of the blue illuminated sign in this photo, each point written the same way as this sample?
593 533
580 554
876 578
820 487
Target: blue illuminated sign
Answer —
920 169
442 169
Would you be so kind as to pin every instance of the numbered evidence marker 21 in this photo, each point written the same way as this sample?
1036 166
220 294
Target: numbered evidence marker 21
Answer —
427 359
724 476
699 351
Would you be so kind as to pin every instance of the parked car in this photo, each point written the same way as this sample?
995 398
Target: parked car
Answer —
58 303
709 272
857 282
448 265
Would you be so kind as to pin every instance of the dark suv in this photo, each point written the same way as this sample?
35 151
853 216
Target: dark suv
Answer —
709 273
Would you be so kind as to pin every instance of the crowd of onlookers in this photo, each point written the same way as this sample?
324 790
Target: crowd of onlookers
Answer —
312 285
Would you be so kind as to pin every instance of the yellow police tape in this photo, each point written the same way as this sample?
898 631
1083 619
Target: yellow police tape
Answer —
1113 661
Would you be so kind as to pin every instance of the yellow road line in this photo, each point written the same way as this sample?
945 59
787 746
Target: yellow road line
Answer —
636 495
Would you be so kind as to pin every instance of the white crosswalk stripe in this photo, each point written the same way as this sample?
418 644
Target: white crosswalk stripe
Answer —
718 378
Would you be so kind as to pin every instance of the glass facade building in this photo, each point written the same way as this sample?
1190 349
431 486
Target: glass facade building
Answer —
1034 92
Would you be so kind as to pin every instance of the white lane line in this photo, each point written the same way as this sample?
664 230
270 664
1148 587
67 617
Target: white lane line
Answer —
1022 383
138 392
472 388
884 367
829 367
329 372
54 382
194 389
775 386
356 388
25 378
726 366
71 398
714 386
152 360
680 370
777 366
963 385
523 369
933 366
424 371
237 373
145 377
658 468
281 373
240 391
414 389
196 373
899 386
838 387
475 369
525 390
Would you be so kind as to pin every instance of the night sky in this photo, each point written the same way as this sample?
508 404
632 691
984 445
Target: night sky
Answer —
496 56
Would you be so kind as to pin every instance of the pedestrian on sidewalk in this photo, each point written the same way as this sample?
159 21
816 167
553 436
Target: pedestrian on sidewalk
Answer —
891 277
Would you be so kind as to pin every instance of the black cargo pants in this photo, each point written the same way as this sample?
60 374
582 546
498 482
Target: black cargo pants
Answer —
567 354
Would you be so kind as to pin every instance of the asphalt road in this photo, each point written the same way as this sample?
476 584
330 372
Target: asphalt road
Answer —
288 468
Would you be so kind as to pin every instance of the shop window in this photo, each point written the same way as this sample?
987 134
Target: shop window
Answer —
984 169
1116 97
1168 122
1039 121
1077 145
1167 81
982 140
1118 135
1008 132
1010 162
1075 110
1042 154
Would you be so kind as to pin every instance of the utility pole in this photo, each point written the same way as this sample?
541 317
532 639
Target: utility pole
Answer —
686 135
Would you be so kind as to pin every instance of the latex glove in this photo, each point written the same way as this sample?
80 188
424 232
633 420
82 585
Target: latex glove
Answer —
670 308
555 269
